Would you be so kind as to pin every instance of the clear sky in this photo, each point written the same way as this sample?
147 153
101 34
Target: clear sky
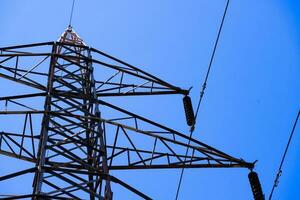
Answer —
253 92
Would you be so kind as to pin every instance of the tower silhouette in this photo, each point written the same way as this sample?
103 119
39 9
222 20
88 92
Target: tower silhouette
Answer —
80 137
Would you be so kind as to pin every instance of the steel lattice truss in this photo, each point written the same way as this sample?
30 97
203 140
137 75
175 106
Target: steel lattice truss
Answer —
76 146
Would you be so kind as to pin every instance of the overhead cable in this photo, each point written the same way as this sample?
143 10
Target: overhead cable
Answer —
202 93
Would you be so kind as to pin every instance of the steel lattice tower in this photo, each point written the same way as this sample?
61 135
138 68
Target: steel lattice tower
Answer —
77 146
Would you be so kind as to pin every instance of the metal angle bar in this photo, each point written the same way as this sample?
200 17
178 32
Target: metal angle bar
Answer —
72 105
22 105
16 67
23 96
135 87
137 93
19 173
14 155
149 159
14 70
6 59
31 133
56 187
169 166
68 191
9 146
69 165
210 161
73 51
130 85
1 138
68 85
62 148
114 146
70 156
70 187
68 130
67 99
69 59
36 86
72 74
27 45
67 141
22 138
116 180
33 196
34 67
153 150
132 144
21 112
64 65
26 54
121 119
148 152
18 145
81 141
105 82
121 81
116 154
73 45
14 51
71 149
73 126
74 171
174 153
19 135
74 184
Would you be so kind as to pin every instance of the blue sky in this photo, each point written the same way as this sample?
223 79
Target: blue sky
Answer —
253 91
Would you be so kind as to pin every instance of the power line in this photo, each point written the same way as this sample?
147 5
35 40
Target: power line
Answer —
71 15
211 59
202 93
276 181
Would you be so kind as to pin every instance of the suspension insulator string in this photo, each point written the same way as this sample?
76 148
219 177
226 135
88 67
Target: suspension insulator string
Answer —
189 111
276 181
191 120
256 186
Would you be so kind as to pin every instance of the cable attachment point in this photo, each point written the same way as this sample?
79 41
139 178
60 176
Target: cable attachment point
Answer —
276 182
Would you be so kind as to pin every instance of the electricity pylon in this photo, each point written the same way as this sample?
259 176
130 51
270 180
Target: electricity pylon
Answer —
82 138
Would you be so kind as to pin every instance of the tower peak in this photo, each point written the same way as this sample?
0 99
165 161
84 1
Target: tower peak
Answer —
70 36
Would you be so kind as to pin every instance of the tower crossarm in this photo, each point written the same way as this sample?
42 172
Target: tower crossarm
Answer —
118 77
